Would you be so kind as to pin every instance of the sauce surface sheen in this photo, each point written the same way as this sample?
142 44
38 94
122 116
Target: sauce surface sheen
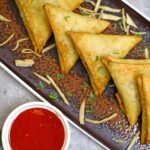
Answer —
37 129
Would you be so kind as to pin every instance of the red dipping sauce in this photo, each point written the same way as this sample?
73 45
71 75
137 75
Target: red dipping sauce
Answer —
37 129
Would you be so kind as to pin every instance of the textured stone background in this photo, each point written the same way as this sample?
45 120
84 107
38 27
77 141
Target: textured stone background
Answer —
142 5
12 94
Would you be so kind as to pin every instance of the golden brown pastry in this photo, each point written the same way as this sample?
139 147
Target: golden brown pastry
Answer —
63 21
124 73
144 88
36 21
92 47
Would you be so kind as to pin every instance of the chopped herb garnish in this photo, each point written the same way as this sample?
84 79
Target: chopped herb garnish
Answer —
115 26
119 140
84 86
69 94
40 85
141 36
0 138
97 58
100 69
67 17
53 96
90 109
143 48
120 126
92 96
91 100
60 76
118 26
116 52
82 13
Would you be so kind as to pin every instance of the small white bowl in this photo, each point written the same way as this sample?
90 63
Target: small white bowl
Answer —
22 108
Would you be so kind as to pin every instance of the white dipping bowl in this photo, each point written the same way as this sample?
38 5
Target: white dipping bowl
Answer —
10 119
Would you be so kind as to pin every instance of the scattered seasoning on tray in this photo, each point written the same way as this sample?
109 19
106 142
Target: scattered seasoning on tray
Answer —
48 48
97 6
109 9
82 112
109 107
103 120
4 19
138 33
7 40
119 140
130 21
58 89
48 65
24 63
42 78
18 43
29 51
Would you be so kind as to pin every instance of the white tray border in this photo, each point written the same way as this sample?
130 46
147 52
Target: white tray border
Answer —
136 9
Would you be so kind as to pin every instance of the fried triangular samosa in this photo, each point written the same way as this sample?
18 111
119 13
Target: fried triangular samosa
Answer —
121 104
63 21
36 21
124 73
92 47
144 87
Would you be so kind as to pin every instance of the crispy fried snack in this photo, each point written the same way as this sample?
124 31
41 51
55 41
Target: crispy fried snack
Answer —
92 47
144 88
63 21
36 21
124 73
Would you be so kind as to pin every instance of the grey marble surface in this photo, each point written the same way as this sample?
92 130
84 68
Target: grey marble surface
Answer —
142 5
12 94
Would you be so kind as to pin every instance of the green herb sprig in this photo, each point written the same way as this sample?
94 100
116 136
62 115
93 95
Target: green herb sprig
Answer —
69 94
40 85
82 13
91 100
97 58
53 96
60 76
84 86
67 17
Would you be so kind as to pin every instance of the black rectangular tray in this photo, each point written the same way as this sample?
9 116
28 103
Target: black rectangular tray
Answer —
73 84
